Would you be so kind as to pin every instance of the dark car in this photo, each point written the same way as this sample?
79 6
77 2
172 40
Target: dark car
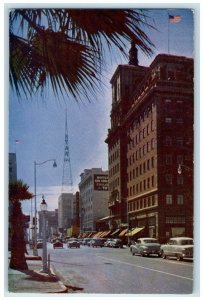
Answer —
145 247
115 243
58 244
97 242
179 247
39 245
73 243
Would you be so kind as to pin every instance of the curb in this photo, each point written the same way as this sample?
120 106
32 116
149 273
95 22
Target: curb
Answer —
70 285
64 289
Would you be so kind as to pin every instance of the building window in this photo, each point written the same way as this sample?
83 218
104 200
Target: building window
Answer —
168 141
148 182
179 159
180 199
152 180
168 120
144 167
152 125
179 141
168 159
169 200
179 179
148 164
152 162
179 121
168 178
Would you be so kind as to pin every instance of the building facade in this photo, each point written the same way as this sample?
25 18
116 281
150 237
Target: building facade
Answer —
12 167
151 136
65 211
51 223
93 189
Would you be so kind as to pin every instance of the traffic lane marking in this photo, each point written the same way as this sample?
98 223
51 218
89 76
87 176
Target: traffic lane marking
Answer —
145 268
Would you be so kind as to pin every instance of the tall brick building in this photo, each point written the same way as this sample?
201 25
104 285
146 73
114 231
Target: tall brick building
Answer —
151 136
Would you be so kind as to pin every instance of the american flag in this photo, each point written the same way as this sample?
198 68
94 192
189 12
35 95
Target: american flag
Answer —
174 19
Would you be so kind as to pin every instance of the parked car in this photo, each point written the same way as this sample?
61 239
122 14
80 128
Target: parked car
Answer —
145 247
39 244
96 242
107 242
179 247
73 243
115 243
58 244
86 241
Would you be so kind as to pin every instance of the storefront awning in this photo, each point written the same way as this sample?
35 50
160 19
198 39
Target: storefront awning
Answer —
134 231
105 233
123 232
115 232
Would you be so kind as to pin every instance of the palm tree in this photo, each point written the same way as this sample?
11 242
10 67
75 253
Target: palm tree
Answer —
18 191
66 48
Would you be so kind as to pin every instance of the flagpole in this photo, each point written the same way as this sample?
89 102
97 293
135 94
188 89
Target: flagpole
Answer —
168 34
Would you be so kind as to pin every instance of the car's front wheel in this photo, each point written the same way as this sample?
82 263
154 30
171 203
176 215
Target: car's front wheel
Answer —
179 257
163 255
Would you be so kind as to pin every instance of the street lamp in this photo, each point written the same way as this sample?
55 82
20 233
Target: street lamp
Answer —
43 208
185 167
35 252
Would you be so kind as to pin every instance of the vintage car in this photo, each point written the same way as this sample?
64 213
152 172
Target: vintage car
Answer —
73 243
58 244
97 242
146 247
179 247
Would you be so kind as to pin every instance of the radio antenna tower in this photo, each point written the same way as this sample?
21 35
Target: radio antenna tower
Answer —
67 184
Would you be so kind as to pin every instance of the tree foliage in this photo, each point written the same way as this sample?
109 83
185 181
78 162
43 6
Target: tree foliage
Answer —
18 191
65 48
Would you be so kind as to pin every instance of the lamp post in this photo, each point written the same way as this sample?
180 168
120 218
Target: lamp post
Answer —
185 167
43 208
35 252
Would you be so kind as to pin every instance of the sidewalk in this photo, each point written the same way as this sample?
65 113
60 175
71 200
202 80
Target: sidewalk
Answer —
33 281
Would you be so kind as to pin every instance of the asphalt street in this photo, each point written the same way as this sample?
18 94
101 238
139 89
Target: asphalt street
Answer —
116 271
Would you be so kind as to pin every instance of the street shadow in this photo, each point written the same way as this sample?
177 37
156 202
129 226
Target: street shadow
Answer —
36 276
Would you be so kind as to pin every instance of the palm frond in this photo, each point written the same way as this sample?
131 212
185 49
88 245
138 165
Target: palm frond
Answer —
66 46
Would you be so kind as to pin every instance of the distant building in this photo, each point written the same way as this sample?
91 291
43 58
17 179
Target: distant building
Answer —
12 167
65 211
93 189
151 135
51 223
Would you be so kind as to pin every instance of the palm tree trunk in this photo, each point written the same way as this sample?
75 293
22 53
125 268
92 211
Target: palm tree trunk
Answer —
18 245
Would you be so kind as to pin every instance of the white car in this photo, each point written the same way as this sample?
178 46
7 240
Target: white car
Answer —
179 247
145 247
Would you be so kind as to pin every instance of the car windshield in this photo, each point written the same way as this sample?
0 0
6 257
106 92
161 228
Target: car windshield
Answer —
186 242
150 241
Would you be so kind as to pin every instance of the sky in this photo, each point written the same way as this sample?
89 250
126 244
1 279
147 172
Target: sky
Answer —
39 123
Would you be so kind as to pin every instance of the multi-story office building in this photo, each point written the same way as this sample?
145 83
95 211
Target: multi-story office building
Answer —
65 211
12 167
151 136
93 189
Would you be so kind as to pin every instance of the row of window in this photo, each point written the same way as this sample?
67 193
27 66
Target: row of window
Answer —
170 120
114 184
113 156
142 168
169 179
143 203
147 147
141 186
141 135
175 220
114 170
179 199
136 124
